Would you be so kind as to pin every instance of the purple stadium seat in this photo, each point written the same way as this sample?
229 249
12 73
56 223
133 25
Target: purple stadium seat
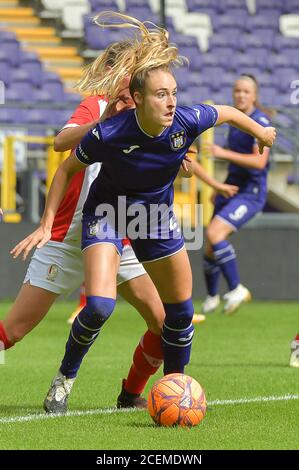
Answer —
142 13
285 76
51 82
290 6
196 62
200 93
11 115
255 71
267 80
20 74
6 34
227 80
38 116
185 40
211 76
185 98
257 56
281 43
230 38
100 5
225 57
209 58
283 100
5 70
286 59
209 7
30 62
264 21
225 6
12 49
243 60
269 4
23 90
261 38
227 20
182 77
74 98
267 95
41 95
96 38
285 144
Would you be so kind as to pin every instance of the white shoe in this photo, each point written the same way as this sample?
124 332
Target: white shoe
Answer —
235 298
210 304
198 318
294 359
56 399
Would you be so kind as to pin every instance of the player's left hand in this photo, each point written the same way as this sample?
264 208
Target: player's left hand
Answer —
38 238
186 170
227 190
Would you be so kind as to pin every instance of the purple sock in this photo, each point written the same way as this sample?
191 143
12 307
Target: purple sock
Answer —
212 275
225 256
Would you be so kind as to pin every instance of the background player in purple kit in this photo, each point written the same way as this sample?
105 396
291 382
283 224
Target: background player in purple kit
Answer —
142 151
248 169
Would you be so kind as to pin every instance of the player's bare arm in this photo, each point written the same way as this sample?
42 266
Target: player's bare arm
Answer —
57 190
227 190
265 135
253 160
247 160
69 137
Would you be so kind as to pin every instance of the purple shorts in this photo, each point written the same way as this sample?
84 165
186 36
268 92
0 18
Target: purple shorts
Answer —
238 210
146 249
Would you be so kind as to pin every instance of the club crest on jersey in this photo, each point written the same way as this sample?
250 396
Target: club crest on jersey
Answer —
52 272
93 228
178 140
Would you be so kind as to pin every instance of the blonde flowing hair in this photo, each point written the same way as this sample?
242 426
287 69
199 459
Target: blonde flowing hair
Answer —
135 57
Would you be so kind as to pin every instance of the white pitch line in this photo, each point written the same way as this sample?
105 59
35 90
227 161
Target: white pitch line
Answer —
108 411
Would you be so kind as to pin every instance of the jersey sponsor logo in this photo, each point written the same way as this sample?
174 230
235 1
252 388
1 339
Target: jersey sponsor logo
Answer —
264 120
178 140
239 212
96 133
52 272
130 149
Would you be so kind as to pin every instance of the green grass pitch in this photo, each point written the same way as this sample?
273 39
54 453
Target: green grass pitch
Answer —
244 357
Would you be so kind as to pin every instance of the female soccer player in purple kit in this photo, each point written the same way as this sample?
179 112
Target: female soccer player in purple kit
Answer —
247 170
142 151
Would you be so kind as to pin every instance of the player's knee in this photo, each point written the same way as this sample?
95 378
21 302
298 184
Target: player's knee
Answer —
15 333
179 315
99 308
212 235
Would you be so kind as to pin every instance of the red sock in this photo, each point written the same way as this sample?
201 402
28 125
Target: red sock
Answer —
148 357
3 337
297 337
82 300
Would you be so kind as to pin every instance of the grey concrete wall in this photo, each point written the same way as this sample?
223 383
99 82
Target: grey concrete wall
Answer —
268 260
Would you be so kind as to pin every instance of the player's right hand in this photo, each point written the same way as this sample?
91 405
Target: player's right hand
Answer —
269 136
38 238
